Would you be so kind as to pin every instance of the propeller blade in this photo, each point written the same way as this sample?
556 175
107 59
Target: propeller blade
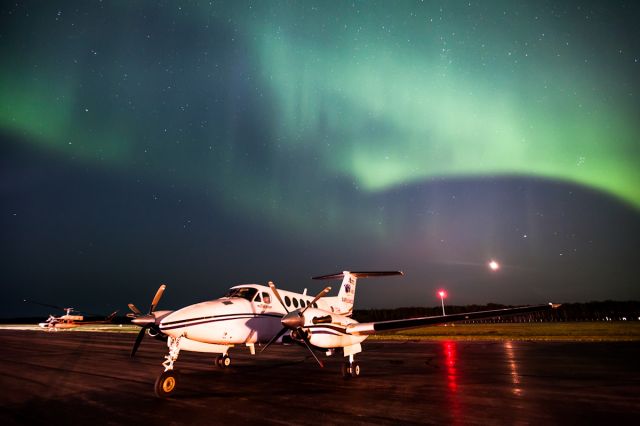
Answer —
318 296
134 309
156 298
275 291
306 343
276 337
138 341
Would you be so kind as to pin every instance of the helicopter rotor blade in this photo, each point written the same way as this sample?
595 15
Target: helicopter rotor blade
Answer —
44 304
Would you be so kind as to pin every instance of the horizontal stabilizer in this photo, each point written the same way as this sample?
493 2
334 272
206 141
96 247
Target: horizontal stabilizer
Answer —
361 274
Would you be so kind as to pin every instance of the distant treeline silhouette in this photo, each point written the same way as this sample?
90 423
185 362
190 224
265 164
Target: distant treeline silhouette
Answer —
590 311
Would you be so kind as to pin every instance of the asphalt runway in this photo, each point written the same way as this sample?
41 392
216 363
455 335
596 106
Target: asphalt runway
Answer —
88 378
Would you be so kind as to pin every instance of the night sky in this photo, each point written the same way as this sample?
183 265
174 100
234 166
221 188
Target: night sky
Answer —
207 144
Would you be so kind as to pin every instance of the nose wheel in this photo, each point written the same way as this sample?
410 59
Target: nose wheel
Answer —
166 383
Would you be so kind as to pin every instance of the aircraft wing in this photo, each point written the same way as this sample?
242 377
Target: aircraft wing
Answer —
367 328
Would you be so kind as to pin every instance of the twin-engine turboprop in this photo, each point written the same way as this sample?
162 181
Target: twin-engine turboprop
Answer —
256 314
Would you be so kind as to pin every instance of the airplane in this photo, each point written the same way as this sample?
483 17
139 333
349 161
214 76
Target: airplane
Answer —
251 314
67 320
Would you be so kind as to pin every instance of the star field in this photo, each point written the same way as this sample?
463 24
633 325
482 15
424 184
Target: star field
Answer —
210 143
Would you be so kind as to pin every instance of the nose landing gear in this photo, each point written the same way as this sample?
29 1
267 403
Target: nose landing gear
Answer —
166 383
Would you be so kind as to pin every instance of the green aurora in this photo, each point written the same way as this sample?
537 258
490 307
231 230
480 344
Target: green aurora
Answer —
369 94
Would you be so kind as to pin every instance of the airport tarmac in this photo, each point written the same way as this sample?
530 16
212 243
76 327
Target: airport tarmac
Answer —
88 378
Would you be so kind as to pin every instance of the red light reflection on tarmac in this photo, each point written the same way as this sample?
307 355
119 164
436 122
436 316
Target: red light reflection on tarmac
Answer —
449 349
450 352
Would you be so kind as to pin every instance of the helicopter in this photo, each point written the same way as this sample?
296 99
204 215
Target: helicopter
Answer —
70 319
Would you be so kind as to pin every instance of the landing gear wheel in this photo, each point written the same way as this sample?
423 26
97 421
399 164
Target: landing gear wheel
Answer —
346 370
223 361
166 383
355 369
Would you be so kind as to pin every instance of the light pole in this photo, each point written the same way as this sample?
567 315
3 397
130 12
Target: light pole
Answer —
442 294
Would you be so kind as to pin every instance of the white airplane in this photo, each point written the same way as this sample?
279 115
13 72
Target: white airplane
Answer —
251 314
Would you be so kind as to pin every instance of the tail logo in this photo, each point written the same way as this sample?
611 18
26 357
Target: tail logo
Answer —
347 288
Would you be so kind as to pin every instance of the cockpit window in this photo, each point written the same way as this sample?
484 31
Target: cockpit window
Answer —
242 292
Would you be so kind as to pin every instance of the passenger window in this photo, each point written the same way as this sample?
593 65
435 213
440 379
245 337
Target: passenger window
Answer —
295 302
257 299
315 305
287 301
266 297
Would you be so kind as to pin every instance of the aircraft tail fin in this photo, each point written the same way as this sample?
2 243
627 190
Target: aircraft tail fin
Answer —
347 293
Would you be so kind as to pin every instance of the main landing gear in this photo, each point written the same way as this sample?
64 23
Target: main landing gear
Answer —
223 361
350 368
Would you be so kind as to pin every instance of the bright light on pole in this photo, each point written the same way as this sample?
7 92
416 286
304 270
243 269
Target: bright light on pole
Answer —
442 295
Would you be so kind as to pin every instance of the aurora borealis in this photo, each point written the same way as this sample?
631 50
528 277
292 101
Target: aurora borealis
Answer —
210 143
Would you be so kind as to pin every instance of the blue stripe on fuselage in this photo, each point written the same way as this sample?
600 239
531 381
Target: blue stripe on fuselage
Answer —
215 318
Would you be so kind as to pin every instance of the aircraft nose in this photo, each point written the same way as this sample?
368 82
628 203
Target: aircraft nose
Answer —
182 318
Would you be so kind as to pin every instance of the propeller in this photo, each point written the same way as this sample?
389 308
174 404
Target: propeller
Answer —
294 321
145 321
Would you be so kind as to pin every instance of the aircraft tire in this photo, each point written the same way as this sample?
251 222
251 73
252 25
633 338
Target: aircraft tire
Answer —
166 384
355 369
346 370
223 361
226 361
